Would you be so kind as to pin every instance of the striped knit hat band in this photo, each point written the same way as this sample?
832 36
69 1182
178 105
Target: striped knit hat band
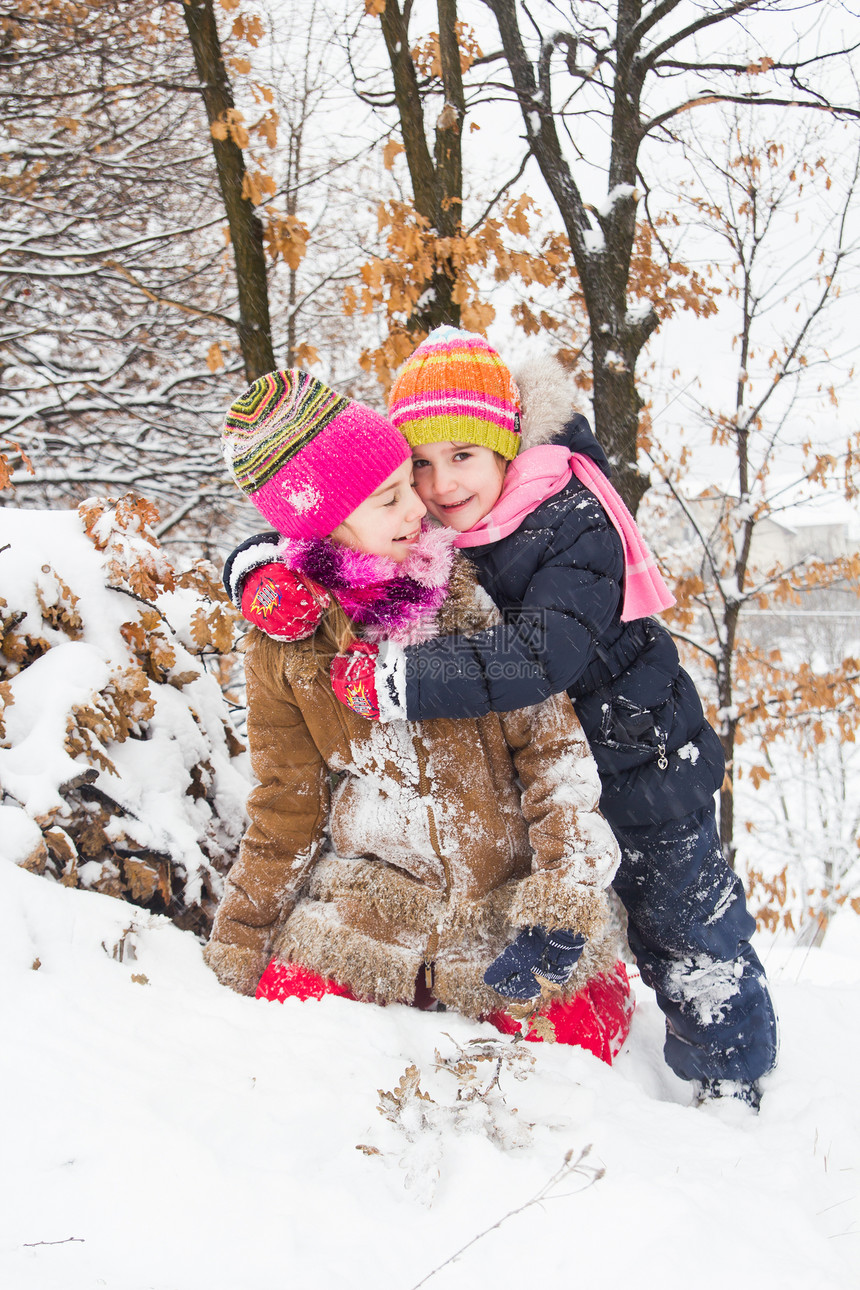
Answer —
456 387
304 455
273 420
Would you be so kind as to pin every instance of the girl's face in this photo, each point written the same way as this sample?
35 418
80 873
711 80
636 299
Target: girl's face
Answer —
388 522
459 483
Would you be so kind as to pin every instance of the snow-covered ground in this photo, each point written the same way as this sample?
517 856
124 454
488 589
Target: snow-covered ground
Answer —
161 1133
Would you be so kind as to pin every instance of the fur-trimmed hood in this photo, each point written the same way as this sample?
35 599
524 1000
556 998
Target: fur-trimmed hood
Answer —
550 398
552 408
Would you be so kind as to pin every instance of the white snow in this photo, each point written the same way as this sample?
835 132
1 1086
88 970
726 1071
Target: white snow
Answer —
638 313
21 836
615 195
147 777
593 241
304 499
162 1133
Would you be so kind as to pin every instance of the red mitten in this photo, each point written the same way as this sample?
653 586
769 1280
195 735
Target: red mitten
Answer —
353 679
282 603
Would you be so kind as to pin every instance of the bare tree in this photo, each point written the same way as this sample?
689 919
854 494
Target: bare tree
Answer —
246 230
436 176
127 320
637 69
110 259
781 283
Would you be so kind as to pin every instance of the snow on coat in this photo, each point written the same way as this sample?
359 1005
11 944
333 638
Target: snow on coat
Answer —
374 849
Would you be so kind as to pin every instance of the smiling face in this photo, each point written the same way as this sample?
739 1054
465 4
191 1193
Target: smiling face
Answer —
388 522
459 483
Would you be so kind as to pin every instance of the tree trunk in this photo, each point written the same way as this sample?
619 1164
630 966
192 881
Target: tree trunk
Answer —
246 231
602 253
437 186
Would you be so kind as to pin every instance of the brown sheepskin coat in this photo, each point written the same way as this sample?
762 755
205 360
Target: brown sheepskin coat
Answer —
376 850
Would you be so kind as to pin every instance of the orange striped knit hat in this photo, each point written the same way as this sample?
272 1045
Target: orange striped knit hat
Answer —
455 386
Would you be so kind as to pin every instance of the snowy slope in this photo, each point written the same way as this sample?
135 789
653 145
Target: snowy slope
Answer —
165 1134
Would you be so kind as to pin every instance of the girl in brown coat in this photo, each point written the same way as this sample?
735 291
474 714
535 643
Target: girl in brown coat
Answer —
399 862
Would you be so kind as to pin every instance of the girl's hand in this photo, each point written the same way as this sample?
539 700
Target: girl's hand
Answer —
283 604
353 679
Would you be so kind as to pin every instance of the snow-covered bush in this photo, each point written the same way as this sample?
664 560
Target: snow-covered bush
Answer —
119 768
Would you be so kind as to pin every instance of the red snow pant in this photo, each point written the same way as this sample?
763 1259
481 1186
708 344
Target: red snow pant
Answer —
597 1018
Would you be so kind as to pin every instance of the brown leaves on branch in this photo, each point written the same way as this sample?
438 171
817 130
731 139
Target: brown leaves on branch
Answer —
756 69
774 898
214 357
669 285
107 522
6 469
390 152
285 237
416 254
257 185
505 245
231 125
92 838
427 56
247 26
111 716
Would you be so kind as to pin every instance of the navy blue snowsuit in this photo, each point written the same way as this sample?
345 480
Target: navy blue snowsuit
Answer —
558 581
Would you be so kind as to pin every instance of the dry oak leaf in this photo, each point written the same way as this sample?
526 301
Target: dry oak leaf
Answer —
144 880
391 150
204 578
213 628
248 28
214 357
306 355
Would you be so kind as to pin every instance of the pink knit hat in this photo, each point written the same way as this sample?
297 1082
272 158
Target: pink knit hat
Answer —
306 456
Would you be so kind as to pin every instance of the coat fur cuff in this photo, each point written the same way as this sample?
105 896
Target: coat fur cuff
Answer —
549 899
237 968
390 681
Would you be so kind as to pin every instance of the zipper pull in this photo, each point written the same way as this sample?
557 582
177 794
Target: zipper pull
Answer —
430 952
662 759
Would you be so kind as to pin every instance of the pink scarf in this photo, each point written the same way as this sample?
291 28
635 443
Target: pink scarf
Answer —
543 471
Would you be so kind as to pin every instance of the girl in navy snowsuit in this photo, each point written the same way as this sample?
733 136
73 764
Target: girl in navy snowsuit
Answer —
560 573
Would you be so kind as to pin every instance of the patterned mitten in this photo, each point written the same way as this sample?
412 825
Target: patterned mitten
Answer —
552 955
282 603
353 679
561 954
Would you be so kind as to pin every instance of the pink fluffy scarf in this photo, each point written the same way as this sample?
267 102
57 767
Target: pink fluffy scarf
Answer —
387 600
